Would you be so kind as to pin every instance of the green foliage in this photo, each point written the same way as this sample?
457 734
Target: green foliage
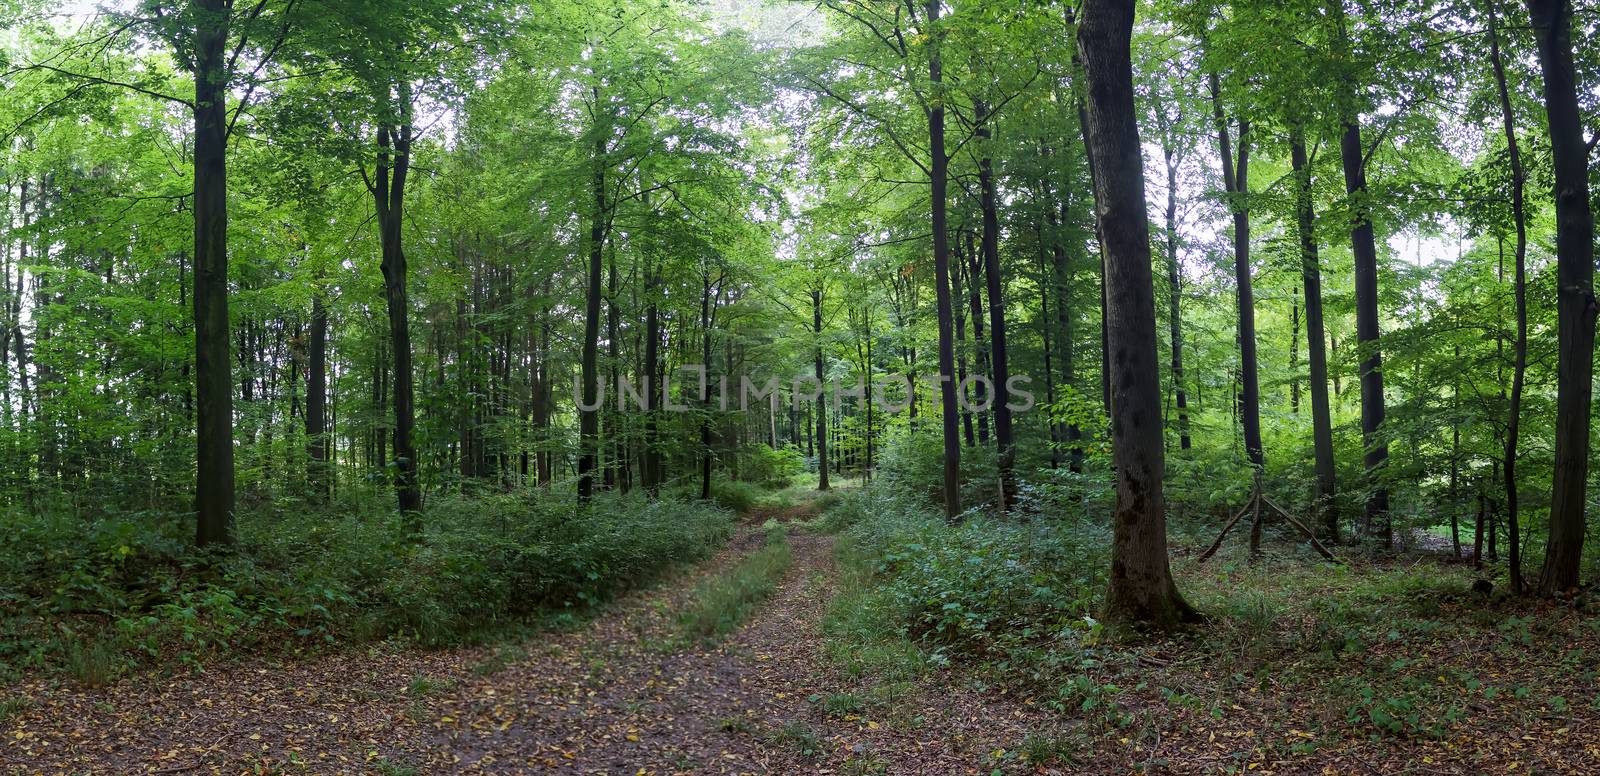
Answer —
316 578
735 496
771 467
981 585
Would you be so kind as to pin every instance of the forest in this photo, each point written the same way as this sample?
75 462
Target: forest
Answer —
798 386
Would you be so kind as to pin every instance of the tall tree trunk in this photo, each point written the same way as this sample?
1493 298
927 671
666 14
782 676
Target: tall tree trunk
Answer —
973 267
1236 182
822 404
1142 589
1364 247
317 399
394 163
1062 272
1004 444
961 344
615 460
589 413
1520 363
1294 351
1175 294
1575 302
214 480
1046 285
1311 276
652 346
939 164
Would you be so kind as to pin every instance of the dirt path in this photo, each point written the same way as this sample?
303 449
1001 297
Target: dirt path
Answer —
618 696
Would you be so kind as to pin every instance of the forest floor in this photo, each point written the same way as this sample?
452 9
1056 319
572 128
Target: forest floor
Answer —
623 694
1263 691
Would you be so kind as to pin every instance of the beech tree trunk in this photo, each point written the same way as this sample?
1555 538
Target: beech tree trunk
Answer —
1364 247
213 375
1004 443
317 399
822 404
1311 276
939 164
1175 294
394 162
1236 183
1520 351
589 413
1142 589
1575 302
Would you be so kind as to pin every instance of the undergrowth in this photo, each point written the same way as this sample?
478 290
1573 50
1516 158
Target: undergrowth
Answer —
97 597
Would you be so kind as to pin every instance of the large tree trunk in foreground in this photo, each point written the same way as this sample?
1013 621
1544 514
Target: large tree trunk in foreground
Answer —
213 371
1142 590
1236 183
939 164
1311 276
1575 302
1519 367
1364 246
389 194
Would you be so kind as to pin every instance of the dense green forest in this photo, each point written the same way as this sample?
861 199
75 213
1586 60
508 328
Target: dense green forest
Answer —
1108 372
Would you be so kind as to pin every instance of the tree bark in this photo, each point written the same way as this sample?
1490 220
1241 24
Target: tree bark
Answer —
589 413
822 404
1575 302
1236 183
1311 276
939 163
1175 294
1520 352
394 162
1004 443
214 480
1364 247
1142 590
317 399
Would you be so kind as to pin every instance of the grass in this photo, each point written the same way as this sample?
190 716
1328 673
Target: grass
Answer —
13 707
721 603
798 736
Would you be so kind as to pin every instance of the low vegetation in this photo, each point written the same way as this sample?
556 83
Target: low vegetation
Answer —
723 601
94 597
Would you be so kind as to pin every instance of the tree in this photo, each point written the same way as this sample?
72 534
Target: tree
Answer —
1142 590
1575 302
1236 187
1520 359
1364 245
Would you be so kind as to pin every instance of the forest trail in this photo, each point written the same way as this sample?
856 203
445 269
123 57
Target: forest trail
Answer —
619 695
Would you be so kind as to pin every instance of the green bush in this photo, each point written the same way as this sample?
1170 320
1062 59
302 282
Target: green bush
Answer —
911 468
979 585
773 468
132 585
735 496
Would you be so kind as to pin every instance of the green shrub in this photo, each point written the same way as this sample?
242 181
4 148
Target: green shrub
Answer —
735 496
773 468
131 588
981 584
